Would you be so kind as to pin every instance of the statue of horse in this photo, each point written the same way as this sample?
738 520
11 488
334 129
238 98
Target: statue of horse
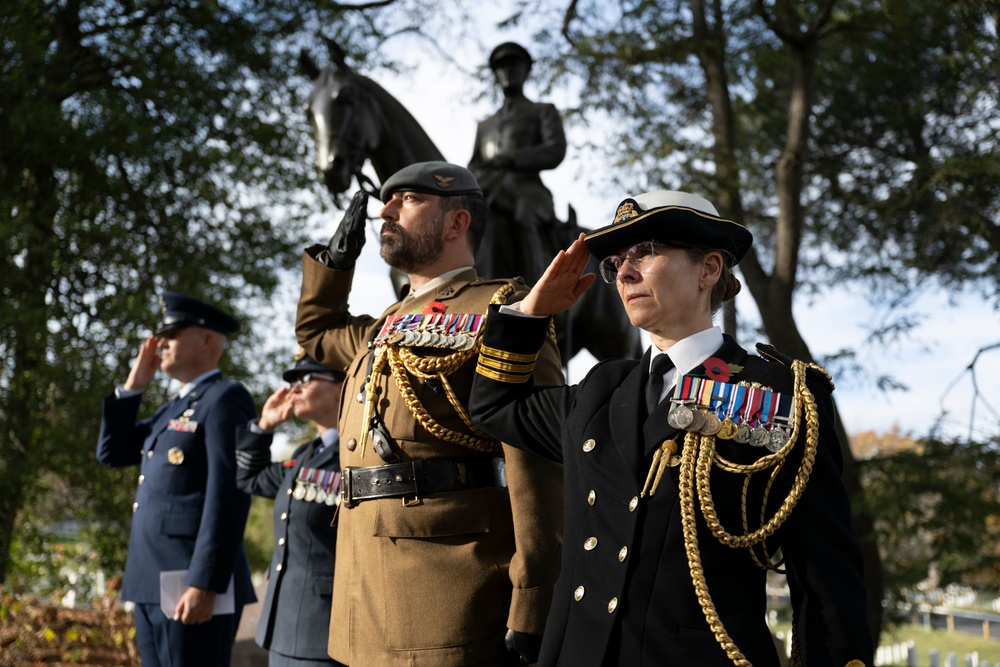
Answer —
355 119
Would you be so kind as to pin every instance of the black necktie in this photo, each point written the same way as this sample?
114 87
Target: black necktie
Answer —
654 384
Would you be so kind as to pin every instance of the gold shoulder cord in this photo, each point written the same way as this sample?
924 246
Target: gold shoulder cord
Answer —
403 362
696 465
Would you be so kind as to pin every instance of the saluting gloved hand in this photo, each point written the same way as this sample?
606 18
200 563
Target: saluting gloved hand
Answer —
524 648
347 242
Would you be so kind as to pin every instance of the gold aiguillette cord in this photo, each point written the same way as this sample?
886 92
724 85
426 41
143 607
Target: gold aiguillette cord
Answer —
371 397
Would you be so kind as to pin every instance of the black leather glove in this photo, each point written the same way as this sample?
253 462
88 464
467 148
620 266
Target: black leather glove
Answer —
347 242
523 647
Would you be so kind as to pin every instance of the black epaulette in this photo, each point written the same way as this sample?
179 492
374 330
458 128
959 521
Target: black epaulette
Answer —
769 352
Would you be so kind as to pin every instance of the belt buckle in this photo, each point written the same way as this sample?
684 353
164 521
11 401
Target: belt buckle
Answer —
345 488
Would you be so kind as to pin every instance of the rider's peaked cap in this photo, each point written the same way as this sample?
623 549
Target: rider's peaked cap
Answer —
181 310
436 178
671 217
509 50
305 364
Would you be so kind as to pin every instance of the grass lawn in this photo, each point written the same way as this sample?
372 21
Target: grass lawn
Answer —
944 642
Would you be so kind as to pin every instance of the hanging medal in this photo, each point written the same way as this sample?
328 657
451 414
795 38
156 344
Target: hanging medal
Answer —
300 485
748 415
681 416
711 424
732 405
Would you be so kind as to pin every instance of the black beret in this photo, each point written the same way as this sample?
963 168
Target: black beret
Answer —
509 50
436 178
668 215
181 310
306 364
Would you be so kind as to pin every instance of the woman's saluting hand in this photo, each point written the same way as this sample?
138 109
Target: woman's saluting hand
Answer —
562 283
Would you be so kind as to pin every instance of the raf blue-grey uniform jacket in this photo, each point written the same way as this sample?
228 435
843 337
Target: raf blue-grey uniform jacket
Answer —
295 618
188 513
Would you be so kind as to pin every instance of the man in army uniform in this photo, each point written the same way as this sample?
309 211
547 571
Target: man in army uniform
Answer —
512 146
448 541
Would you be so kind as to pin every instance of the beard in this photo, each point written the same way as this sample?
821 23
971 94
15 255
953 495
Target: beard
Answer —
408 251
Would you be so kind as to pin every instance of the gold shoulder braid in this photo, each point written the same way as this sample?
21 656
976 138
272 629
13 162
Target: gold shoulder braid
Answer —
696 463
403 362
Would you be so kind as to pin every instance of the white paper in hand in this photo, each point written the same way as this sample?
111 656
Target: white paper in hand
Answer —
173 585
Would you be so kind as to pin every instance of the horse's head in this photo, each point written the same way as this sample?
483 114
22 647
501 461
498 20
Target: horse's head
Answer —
343 123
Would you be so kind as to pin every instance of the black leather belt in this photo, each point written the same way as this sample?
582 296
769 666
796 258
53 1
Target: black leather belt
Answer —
419 478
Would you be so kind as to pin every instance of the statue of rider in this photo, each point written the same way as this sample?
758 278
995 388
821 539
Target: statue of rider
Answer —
512 147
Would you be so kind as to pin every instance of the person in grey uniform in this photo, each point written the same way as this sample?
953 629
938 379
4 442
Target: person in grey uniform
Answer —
295 617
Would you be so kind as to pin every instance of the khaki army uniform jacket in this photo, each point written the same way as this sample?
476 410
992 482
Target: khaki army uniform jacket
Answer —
435 580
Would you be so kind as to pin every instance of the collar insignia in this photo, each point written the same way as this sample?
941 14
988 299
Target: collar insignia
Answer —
444 181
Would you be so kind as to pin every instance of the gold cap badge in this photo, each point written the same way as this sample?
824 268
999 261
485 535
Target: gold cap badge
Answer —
626 211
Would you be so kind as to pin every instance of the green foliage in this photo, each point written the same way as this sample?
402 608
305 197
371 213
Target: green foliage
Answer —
258 539
936 509
902 157
143 146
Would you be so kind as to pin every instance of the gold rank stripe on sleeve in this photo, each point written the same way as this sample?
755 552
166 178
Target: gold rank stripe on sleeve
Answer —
516 368
503 366
509 356
501 377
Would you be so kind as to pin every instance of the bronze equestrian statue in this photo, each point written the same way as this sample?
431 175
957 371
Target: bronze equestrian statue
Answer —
354 119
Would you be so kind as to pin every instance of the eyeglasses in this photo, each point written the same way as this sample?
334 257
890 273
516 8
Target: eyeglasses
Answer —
640 257
309 377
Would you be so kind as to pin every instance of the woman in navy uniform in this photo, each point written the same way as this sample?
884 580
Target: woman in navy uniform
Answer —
295 618
670 522
188 514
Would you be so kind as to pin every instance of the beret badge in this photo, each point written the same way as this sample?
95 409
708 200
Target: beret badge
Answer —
444 181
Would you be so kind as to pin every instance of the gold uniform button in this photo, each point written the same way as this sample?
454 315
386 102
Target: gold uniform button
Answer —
284 516
623 554
142 478
281 542
590 543
578 593
149 454
612 605
589 445
632 504
592 497
289 491
277 567
352 444
135 507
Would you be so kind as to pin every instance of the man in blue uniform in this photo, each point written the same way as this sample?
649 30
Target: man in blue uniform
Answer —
295 619
188 515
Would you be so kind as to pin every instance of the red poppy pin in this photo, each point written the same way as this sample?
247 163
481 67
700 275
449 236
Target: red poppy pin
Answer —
290 463
434 308
720 371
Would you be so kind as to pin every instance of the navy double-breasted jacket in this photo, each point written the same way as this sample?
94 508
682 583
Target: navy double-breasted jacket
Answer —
295 617
625 594
188 513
